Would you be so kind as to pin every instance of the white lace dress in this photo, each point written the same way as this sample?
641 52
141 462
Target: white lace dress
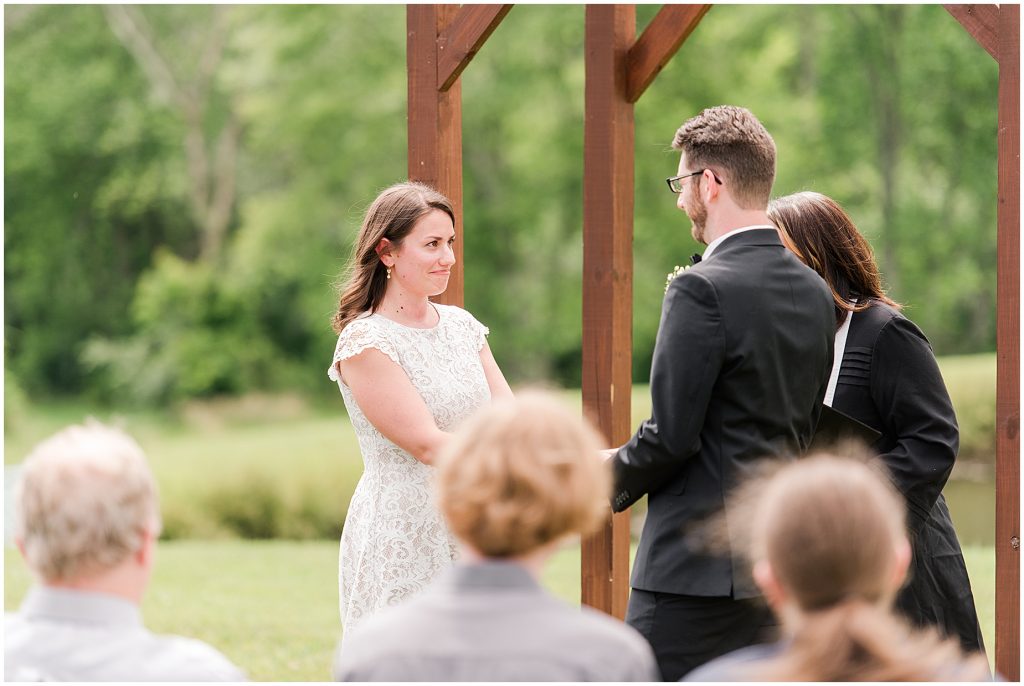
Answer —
395 541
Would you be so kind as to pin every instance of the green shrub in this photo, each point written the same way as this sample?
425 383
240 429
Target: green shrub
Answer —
194 337
316 513
256 505
251 507
184 519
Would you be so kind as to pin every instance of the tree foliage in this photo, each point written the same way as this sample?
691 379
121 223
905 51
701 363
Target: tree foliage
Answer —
93 182
184 183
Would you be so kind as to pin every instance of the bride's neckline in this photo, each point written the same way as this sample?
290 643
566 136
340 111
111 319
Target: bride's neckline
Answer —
414 328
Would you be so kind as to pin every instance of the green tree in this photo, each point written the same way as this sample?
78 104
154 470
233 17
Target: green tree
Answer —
242 144
91 185
184 78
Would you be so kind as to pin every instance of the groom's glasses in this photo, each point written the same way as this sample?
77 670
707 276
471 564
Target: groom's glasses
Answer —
675 183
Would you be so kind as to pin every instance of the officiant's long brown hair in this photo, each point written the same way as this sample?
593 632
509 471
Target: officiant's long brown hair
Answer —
392 216
822 235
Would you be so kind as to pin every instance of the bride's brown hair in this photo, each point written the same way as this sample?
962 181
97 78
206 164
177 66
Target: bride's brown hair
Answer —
392 216
829 529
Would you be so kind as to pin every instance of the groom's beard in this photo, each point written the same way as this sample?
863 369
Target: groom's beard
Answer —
697 211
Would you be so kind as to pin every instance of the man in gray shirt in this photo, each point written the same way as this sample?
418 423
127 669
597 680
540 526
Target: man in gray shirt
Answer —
86 522
514 482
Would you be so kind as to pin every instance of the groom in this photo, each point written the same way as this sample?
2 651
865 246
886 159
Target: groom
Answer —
741 361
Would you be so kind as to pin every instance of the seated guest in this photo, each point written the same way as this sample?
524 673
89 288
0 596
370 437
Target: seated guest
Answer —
519 477
86 522
829 550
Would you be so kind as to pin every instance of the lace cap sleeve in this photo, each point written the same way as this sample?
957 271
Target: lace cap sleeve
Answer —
474 329
356 337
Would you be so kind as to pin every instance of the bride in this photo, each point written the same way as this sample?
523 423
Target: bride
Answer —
409 371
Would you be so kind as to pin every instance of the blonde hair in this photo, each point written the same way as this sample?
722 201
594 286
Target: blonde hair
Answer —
520 474
392 215
830 527
84 500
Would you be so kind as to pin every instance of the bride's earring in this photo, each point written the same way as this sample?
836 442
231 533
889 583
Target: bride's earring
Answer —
389 273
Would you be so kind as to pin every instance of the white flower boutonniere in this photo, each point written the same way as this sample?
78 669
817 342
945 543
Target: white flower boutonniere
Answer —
674 273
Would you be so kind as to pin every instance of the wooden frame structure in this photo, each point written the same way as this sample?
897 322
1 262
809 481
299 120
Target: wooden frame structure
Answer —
442 39
997 29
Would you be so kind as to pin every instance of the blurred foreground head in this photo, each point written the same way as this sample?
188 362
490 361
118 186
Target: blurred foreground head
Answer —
85 503
829 549
521 474
829 529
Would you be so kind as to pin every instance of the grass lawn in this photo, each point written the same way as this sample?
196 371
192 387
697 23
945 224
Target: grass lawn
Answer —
272 607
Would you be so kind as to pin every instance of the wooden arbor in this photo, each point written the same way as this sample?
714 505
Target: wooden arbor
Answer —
442 39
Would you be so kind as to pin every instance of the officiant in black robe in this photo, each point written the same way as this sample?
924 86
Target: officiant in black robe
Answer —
888 379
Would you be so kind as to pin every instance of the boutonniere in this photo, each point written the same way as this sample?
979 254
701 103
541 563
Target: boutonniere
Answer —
694 259
673 274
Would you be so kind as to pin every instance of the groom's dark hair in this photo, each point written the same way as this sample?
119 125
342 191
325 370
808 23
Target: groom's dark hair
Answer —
732 143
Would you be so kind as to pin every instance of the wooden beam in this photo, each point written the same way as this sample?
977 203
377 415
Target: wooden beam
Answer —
461 39
1008 351
608 278
435 123
672 25
421 56
982 22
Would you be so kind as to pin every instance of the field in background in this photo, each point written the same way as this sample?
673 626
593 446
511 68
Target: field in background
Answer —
273 467
272 606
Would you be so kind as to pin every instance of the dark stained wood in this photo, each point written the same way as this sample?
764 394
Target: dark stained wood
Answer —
608 278
450 166
435 123
658 43
461 40
1008 351
982 22
421 59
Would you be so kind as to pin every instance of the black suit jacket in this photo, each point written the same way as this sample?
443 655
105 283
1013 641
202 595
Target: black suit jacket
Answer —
889 380
741 362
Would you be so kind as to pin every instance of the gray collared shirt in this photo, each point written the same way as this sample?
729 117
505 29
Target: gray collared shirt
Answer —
492 622
66 635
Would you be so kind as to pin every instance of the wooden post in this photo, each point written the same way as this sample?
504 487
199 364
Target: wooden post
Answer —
608 278
435 123
1008 351
618 70
441 40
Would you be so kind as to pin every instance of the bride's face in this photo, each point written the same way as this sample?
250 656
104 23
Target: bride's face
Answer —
423 262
